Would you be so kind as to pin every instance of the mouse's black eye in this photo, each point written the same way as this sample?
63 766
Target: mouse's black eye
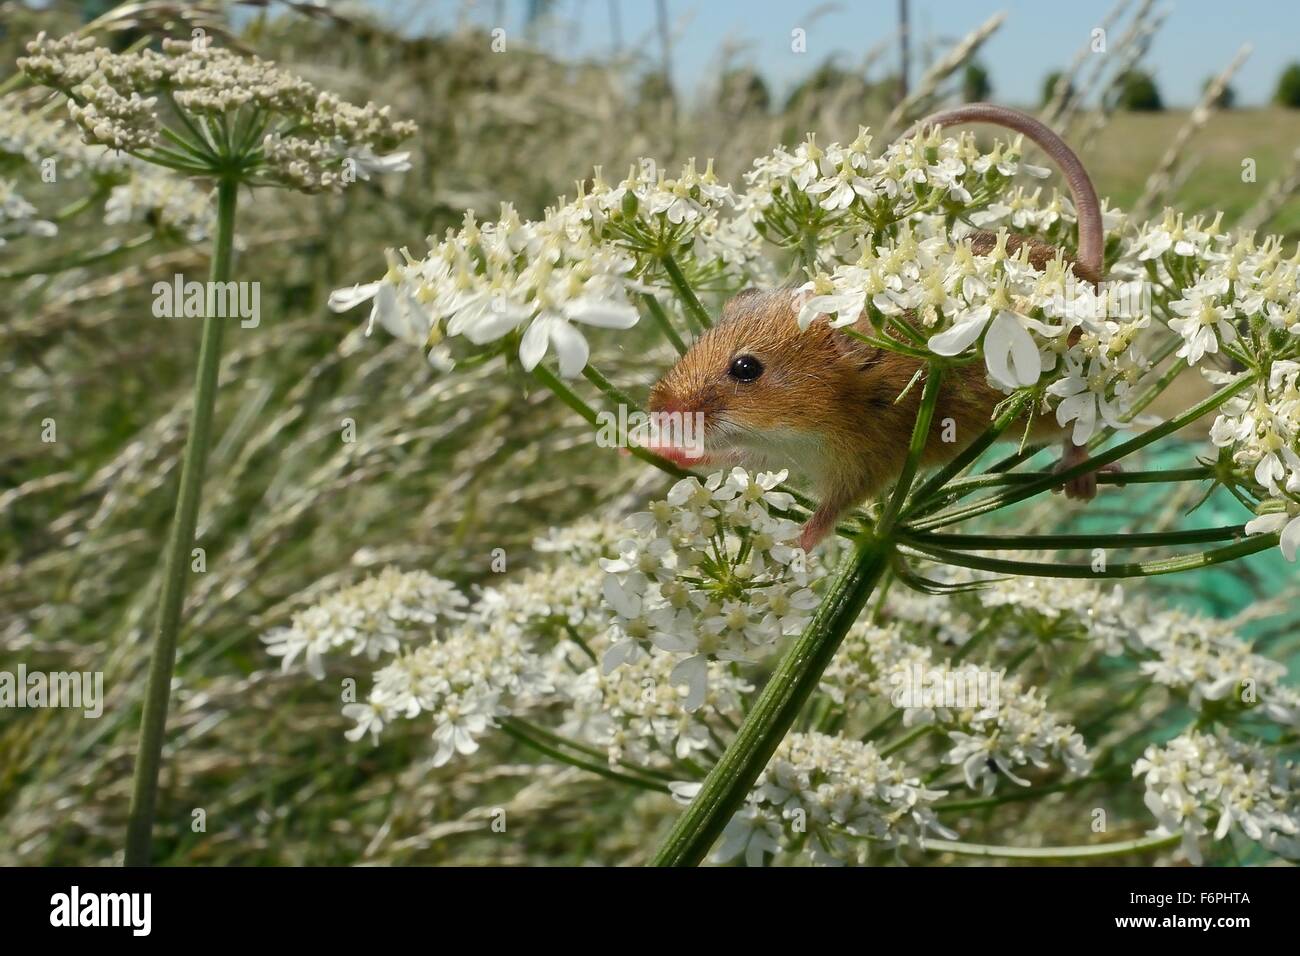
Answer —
745 368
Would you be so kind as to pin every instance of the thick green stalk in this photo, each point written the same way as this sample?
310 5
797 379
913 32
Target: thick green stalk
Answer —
153 723
794 680
797 676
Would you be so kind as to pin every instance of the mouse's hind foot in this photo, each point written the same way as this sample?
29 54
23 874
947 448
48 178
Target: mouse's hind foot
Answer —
1081 487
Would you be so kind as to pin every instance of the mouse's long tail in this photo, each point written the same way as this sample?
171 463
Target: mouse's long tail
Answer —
1089 263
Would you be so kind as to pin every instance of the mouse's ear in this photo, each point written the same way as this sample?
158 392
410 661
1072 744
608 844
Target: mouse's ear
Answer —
862 354
742 302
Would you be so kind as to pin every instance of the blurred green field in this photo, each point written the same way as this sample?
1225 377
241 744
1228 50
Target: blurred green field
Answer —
1132 144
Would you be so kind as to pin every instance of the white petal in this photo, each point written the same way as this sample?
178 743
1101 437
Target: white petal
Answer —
694 672
570 347
533 344
1291 539
1266 523
958 338
602 312
618 598
341 300
1007 345
490 323
384 308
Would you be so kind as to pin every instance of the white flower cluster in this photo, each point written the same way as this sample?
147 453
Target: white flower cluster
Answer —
567 595
457 667
371 617
638 714
1200 657
1204 659
640 658
833 796
1232 290
114 98
487 282
1102 614
708 574
1011 729
1261 427
1017 732
852 189
583 542
162 200
535 282
1235 295
18 217
37 137
472 672
1200 780
968 295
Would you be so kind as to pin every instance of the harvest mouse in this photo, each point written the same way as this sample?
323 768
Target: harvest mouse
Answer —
826 403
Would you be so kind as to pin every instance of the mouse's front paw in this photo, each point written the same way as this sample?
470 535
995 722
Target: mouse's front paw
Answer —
819 525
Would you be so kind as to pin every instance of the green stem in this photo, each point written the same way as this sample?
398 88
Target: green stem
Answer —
1042 542
571 398
1093 463
1027 793
1155 477
1095 851
153 723
915 734
968 455
513 729
1132 569
696 314
612 391
794 680
787 691
888 345
559 740
920 436
51 268
661 319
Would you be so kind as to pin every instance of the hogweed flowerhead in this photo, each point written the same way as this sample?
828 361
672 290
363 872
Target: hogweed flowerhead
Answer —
1198 781
835 796
18 217
638 711
709 574
204 110
372 617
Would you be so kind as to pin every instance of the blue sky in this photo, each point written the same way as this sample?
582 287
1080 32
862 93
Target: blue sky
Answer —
1199 37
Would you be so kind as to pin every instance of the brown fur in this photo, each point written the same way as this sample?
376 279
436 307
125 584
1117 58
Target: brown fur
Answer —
838 391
